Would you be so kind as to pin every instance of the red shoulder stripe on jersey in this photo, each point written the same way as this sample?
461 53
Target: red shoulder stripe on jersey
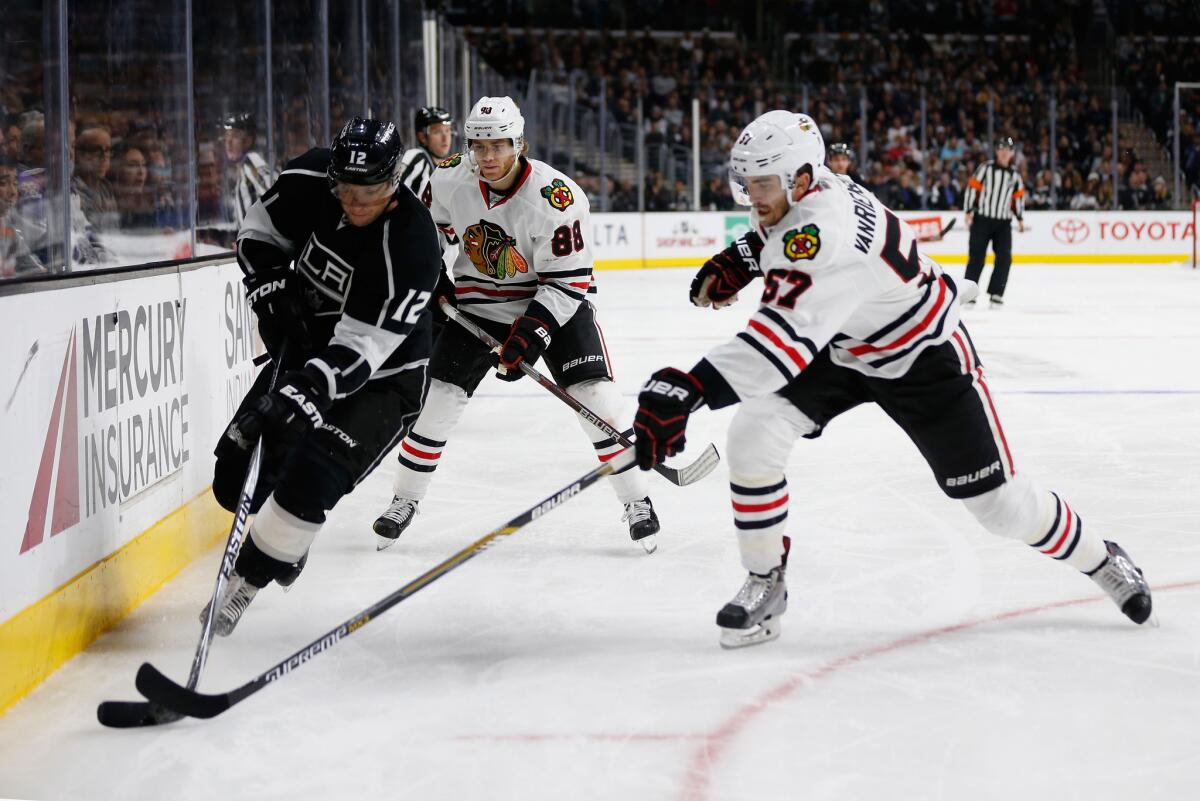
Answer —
774 339
938 307
814 190
497 293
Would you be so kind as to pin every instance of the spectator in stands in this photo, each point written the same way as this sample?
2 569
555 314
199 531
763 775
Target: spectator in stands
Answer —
1161 196
945 195
208 186
136 202
1136 194
93 158
1087 197
16 258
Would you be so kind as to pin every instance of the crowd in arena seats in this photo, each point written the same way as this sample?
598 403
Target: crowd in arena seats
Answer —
956 76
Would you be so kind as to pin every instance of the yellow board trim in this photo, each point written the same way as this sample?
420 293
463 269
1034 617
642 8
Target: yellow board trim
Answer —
40 638
944 258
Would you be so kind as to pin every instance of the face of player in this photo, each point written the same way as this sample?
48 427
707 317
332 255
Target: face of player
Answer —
8 189
767 197
437 139
839 163
363 204
495 157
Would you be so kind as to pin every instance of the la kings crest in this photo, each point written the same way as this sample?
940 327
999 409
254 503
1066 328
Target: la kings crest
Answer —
328 278
493 251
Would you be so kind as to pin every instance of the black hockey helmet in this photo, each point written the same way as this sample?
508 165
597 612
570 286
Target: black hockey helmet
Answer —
242 121
365 152
1005 142
841 149
430 115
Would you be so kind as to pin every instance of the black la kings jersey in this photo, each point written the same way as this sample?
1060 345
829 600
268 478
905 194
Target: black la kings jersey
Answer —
365 289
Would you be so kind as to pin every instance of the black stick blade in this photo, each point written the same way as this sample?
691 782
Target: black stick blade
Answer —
133 714
162 691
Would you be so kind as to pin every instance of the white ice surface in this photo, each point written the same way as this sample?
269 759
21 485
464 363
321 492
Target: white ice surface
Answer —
921 658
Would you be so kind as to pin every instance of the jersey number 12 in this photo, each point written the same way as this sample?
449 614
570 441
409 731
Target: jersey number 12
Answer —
409 310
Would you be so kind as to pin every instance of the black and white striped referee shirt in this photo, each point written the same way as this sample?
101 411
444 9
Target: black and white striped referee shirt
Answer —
416 167
996 192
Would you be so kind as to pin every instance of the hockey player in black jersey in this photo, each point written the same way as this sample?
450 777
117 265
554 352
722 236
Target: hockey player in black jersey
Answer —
340 262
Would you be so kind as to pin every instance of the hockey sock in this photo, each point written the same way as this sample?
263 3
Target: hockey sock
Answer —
421 449
760 517
278 539
1065 540
1021 510
603 398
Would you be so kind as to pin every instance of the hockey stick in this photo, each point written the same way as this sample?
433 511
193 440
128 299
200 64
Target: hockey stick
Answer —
134 714
701 467
186 701
940 235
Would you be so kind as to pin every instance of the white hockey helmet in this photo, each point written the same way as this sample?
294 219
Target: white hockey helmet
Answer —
777 143
495 118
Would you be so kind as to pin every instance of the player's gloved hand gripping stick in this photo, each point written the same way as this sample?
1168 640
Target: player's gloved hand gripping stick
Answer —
175 700
131 714
705 464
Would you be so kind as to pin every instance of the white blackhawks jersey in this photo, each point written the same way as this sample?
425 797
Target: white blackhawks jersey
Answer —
841 270
531 243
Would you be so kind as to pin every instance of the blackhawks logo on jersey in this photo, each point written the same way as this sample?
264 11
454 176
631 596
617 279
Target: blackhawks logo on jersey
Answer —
803 243
452 161
493 252
558 194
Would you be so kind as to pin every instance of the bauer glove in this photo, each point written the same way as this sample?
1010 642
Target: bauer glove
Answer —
727 273
663 408
527 339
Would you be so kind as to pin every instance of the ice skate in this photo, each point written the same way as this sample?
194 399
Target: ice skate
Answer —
391 524
996 300
1124 583
643 523
289 578
237 596
753 616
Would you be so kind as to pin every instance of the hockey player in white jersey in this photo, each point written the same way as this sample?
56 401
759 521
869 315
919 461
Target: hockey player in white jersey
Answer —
434 129
851 313
523 273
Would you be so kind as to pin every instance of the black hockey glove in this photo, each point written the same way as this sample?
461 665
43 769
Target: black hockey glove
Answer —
281 314
663 408
285 414
527 338
727 273
442 291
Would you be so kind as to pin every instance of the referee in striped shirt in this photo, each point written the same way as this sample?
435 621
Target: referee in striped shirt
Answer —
995 194
435 135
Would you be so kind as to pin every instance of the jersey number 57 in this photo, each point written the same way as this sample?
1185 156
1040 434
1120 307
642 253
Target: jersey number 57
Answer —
784 286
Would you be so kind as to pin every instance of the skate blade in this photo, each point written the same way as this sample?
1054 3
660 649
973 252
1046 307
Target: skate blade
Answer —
382 543
740 638
649 544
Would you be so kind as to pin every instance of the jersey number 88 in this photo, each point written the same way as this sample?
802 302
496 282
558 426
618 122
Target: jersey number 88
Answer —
567 240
